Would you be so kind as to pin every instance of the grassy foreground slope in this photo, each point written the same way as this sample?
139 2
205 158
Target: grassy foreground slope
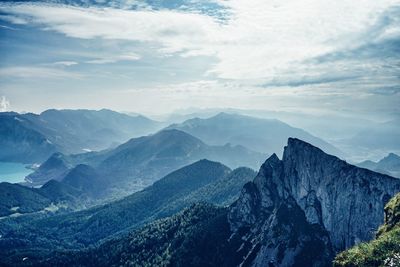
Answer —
384 250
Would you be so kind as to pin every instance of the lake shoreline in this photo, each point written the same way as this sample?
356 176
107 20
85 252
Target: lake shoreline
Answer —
13 172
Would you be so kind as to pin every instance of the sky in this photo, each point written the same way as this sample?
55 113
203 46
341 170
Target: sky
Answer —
153 57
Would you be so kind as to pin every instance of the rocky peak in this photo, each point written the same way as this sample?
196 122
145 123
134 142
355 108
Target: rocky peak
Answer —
339 199
298 152
393 156
391 161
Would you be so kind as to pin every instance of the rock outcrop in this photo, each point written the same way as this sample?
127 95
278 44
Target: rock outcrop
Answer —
307 206
382 251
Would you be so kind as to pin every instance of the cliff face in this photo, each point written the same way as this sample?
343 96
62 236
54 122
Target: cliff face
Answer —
382 251
308 201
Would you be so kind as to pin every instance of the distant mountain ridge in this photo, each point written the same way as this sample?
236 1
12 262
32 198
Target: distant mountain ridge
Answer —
263 135
384 136
177 148
20 142
388 165
141 161
32 138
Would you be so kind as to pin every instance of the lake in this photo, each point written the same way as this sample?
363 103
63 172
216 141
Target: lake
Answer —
13 172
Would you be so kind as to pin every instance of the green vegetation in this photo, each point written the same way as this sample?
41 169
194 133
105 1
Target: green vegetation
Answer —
75 192
384 250
201 181
15 198
197 236
181 240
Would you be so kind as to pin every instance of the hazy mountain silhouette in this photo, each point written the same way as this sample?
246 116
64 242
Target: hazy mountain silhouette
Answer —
263 135
389 165
33 138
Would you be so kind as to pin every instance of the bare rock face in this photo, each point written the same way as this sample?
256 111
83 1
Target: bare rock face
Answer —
302 209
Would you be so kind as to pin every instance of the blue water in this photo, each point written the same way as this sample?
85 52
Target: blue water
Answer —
13 172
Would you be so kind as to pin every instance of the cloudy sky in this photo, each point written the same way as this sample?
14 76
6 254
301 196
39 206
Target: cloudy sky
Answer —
156 56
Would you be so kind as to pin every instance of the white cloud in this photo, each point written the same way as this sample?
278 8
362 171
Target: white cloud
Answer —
4 104
8 28
174 30
65 63
273 38
115 58
13 19
262 41
314 99
36 73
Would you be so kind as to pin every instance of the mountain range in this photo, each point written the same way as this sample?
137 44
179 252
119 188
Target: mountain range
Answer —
358 138
138 163
201 181
262 135
300 210
186 195
31 138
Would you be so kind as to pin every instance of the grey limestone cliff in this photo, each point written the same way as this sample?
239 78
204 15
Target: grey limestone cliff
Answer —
302 209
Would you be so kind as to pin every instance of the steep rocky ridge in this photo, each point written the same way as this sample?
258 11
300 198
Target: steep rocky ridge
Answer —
343 204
